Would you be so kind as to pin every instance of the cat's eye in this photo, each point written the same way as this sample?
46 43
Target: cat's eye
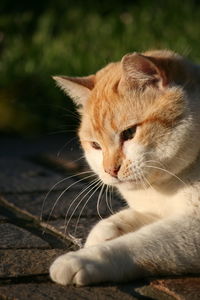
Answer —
128 134
95 145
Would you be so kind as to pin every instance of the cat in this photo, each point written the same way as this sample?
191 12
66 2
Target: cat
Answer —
140 131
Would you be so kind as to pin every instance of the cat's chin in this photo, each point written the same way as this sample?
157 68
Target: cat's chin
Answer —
130 185
109 180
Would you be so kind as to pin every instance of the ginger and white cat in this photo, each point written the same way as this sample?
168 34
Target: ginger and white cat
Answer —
140 130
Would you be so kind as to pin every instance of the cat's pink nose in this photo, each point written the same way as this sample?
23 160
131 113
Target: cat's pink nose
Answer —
113 171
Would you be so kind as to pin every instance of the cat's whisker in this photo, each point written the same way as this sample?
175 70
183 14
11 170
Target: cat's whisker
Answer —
64 191
155 161
77 222
72 113
65 145
75 209
135 177
99 200
79 194
111 197
75 160
180 158
63 131
107 200
141 178
147 181
170 173
110 192
177 157
56 184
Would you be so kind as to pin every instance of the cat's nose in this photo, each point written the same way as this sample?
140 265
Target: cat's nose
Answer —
113 171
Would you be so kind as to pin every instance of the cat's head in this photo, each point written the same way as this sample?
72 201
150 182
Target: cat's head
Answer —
136 118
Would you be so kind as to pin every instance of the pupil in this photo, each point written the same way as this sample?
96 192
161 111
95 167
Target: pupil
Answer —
128 133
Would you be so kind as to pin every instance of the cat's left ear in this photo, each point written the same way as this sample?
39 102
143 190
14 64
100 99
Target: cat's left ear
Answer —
140 70
77 88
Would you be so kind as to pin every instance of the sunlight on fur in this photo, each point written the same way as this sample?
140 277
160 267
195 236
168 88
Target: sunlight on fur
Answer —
140 131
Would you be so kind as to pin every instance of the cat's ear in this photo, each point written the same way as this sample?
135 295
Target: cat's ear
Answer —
78 88
140 70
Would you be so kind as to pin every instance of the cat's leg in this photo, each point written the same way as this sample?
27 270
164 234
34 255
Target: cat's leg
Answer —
165 247
125 221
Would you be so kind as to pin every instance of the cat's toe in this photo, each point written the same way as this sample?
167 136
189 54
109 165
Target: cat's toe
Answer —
74 268
64 269
103 231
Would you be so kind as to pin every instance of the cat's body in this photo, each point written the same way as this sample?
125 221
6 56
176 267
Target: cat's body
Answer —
140 131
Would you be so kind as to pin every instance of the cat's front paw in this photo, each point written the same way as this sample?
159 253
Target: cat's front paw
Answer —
104 231
82 267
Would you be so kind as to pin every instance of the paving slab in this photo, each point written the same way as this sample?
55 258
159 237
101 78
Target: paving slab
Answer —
180 288
20 175
44 291
24 262
78 229
79 220
56 204
36 204
27 174
3 218
12 236
153 293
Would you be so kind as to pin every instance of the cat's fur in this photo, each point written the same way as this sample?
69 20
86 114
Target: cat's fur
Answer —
157 169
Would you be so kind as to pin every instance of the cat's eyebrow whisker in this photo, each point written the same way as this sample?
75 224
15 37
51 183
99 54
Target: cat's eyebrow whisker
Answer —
170 173
79 194
82 157
64 191
96 184
72 113
65 145
62 131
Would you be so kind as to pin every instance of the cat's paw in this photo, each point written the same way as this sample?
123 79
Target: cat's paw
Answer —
104 231
82 267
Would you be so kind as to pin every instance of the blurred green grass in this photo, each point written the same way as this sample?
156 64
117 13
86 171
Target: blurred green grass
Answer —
40 39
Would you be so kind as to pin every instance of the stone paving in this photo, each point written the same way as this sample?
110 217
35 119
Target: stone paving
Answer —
29 243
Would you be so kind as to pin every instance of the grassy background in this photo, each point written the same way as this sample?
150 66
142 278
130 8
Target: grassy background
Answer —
40 39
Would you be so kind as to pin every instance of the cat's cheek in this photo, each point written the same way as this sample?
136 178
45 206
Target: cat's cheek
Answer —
133 150
95 160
